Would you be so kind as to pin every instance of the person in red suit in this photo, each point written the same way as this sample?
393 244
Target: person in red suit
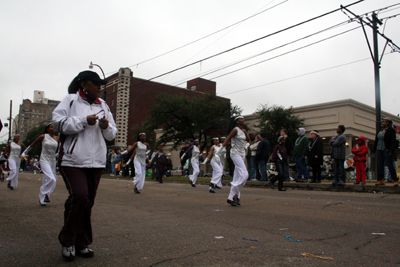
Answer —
360 151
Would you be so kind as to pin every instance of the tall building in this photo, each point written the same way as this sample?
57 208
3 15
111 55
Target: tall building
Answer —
130 100
32 114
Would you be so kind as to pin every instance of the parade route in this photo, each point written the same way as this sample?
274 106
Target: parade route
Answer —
173 224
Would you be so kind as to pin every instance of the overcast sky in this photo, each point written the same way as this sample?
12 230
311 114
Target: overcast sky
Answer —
46 43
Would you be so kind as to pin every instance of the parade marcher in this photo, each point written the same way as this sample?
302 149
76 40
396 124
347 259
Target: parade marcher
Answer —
13 152
262 156
315 156
215 164
162 161
141 150
222 157
239 136
83 121
195 151
385 148
300 151
279 158
153 166
360 151
47 162
338 144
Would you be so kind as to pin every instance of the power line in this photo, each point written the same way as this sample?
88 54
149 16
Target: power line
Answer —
286 53
242 45
264 52
223 29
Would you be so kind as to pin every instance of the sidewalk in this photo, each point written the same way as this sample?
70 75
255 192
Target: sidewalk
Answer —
370 187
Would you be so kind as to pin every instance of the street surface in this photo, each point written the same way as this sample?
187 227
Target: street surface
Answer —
173 224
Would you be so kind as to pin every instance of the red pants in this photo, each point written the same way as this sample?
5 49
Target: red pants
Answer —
82 185
360 171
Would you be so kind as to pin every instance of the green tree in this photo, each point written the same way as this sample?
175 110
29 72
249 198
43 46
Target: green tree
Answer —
272 119
181 118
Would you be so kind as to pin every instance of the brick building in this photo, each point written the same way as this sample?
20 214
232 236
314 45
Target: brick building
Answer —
32 114
130 100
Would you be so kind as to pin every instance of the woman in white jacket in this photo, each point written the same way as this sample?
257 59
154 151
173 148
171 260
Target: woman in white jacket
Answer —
13 152
83 121
215 164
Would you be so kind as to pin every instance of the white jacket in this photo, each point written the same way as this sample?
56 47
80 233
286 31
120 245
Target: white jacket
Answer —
82 145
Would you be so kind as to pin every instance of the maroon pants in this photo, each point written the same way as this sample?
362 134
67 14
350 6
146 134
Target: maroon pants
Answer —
82 185
360 171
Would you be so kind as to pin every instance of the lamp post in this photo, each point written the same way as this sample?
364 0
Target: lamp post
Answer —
104 76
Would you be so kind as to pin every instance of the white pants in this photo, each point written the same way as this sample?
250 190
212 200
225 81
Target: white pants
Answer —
196 171
219 183
217 172
14 170
240 176
140 175
49 180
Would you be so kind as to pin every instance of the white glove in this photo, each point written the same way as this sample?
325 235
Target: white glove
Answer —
129 161
27 150
205 161
124 153
183 155
147 152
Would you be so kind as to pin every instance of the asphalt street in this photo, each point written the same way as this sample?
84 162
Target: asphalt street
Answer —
173 224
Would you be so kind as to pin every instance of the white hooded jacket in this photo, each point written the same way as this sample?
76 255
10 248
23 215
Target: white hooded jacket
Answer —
83 145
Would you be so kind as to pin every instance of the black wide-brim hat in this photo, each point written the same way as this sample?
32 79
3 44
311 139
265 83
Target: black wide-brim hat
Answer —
92 76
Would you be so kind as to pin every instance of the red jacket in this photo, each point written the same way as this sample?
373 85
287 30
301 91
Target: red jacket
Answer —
360 152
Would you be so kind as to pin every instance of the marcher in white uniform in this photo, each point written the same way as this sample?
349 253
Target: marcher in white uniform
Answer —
239 136
222 156
47 162
142 149
13 152
194 160
215 164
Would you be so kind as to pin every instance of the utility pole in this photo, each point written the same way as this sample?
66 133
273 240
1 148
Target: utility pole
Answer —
10 119
375 57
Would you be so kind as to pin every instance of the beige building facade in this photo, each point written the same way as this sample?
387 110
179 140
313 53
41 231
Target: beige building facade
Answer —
358 118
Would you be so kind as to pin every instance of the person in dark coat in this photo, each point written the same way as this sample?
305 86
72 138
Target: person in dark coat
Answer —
162 162
262 156
183 161
279 158
289 149
338 144
385 148
315 156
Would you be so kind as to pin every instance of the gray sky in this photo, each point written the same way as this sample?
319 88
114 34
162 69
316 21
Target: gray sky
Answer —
46 43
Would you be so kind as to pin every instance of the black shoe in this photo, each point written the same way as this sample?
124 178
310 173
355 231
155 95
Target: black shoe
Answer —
86 253
211 190
44 204
231 202
161 182
10 187
68 253
271 185
299 181
318 182
313 182
236 200
136 191
46 199
217 187
357 182
193 185
282 189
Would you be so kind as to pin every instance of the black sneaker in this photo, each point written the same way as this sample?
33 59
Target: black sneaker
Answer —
193 185
46 199
86 253
217 187
10 187
236 200
231 202
42 204
282 189
68 253
136 191
211 190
